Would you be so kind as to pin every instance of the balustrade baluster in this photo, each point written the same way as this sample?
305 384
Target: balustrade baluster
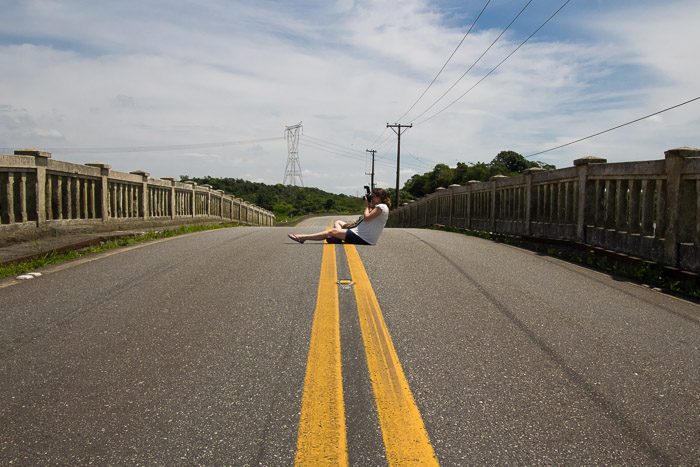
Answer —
10 197
69 198
610 208
648 195
113 203
575 202
92 193
634 206
697 213
521 203
82 192
158 193
59 197
564 200
152 208
119 209
661 211
22 197
599 210
49 197
620 219
128 201
560 205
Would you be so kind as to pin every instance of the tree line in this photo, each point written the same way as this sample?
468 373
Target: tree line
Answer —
508 163
288 202
285 201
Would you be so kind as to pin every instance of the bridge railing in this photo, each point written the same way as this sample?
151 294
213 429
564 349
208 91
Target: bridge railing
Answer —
37 191
648 209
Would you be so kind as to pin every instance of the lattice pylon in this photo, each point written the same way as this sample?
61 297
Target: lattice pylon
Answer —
293 169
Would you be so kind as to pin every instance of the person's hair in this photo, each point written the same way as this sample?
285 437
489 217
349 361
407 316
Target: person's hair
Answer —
382 196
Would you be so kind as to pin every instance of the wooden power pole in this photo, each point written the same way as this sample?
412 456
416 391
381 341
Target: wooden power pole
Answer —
398 129
373 151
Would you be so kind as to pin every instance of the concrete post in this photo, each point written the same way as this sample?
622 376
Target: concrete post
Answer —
586 195
220 212
193 202
143 205
494 200
172 181
41 161
208 209
529 198
452 202
470 201
104 188
438 192
676 202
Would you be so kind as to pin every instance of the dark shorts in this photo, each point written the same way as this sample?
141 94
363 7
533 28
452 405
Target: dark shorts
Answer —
354 239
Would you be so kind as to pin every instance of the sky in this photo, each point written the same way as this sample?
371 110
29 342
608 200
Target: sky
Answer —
208 87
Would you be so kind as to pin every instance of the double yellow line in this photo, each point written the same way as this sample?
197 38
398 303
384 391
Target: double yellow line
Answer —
322 436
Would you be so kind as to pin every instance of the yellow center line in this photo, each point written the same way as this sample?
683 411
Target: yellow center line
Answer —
322 436
405 437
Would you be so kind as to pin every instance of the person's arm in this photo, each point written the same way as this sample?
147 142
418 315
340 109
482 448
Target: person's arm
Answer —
372 213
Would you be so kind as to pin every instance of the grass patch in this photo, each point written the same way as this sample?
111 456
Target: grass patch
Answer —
54 258
646 272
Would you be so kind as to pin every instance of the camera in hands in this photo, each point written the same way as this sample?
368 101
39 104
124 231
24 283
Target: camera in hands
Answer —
368 195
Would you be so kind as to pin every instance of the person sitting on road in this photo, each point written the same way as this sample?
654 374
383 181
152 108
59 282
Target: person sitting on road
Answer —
362 232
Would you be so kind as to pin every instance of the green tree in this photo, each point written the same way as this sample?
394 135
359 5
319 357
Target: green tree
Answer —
513 162
442 176
404 196
284 200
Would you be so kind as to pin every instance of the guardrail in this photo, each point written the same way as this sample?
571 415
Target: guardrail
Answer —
37 191
648 209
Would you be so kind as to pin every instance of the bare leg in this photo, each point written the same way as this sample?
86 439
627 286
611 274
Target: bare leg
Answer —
336 233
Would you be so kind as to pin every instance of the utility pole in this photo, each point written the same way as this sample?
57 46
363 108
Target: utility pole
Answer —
397 128
372 173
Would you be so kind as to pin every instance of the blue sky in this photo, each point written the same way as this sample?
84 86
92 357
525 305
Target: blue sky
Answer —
152 85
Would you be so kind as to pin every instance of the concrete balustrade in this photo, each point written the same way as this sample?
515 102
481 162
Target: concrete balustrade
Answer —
648 209
37 191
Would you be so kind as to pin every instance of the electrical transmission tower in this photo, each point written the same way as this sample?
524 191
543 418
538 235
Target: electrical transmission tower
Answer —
293 169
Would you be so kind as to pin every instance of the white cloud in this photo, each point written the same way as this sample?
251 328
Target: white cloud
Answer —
133 74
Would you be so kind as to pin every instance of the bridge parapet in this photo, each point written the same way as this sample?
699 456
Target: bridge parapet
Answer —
649 209
37 191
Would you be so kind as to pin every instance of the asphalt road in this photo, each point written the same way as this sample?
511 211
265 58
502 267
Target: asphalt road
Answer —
193 351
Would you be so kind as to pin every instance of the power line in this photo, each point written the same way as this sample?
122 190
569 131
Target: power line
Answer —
330 150
374 144
474 64
497 66
158 148
448 61
337 145
614 128
385 142
351 153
